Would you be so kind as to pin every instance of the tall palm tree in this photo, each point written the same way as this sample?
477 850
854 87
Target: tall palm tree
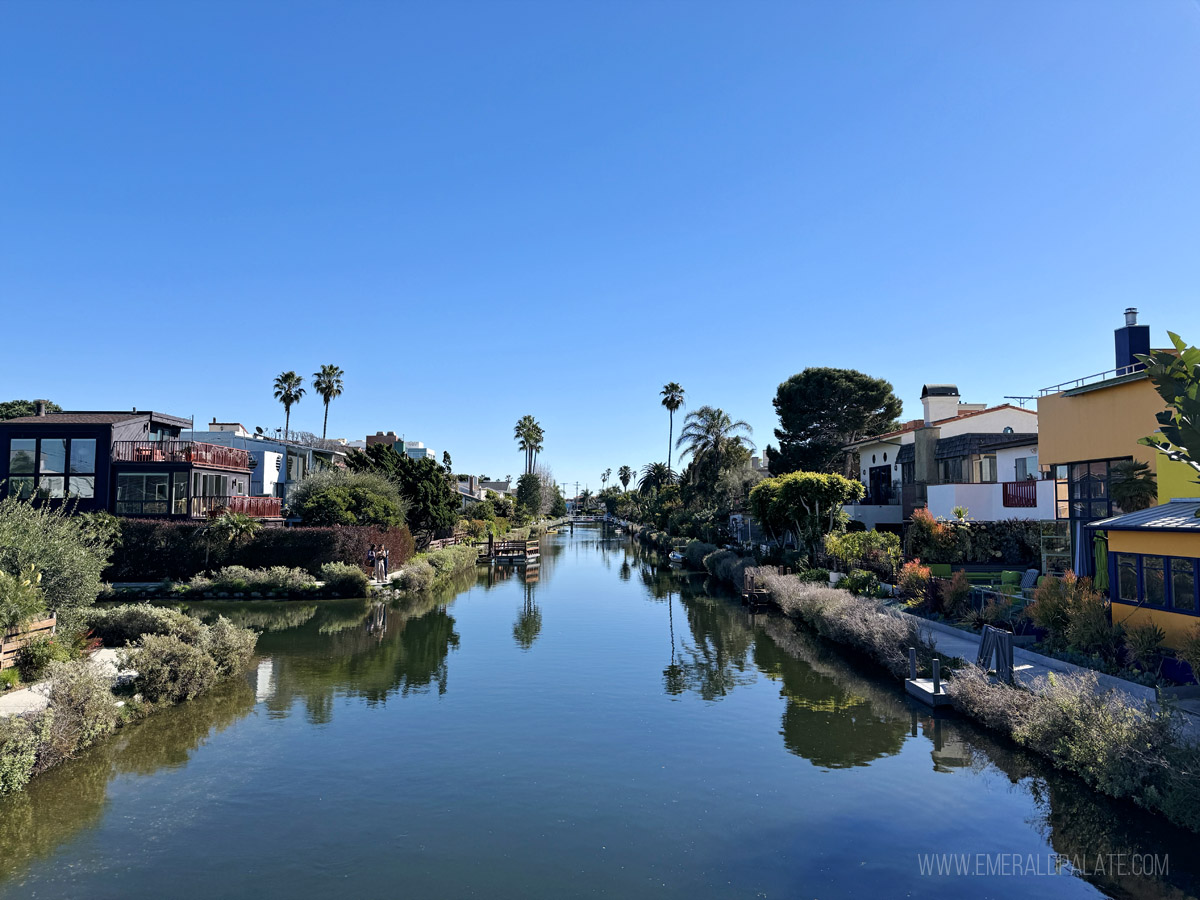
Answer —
585 499
708 432
289 388
604 476
328 383
625 475
672 399
528 434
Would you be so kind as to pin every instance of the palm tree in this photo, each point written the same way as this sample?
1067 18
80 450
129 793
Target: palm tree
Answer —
288 391
604 476
672 399
1131 485
528 434
708 432
625 475
328 383
655 476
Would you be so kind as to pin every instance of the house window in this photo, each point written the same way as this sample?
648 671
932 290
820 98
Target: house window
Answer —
950 471
82 483
22 454
1127 578
1183 585
984 469
41 466
908 472
1087 490
1154 581
142 494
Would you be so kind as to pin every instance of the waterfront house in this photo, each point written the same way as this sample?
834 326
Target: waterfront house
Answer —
1091 423
1153 560
412 449
268 475
128 463
969 455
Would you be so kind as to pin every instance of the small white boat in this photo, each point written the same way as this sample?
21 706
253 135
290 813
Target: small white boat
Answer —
676 556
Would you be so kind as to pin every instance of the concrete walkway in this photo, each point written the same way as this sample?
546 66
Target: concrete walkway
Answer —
1028 667
33 698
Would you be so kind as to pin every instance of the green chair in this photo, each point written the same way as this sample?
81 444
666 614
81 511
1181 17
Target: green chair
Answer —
939 570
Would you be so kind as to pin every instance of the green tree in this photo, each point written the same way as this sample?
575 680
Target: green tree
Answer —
529 493
821 410
655 476
1132 485
585 500
14 409
710 437
341 497
1176 377
433 504
672 399
625 475
558 507
289 388
604 476
328 383
808 504
446 464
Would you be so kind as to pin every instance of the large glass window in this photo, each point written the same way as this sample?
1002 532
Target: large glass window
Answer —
83 456
53 458
950 471
82 487
1087 490
20 486
1183 585
1127 578
52 486
21 456
142 494
1154 582
985 469
179 493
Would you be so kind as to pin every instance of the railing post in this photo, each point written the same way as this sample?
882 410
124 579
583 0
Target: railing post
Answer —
937 675
912 663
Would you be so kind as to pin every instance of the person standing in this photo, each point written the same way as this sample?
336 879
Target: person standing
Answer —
372 562
387 561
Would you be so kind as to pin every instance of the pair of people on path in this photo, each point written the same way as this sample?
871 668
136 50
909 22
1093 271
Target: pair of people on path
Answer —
377 561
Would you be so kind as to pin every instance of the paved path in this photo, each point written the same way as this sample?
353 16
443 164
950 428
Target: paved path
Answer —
1029 667
33 698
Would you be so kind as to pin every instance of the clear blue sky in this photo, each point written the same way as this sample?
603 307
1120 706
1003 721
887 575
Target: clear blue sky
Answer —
482 210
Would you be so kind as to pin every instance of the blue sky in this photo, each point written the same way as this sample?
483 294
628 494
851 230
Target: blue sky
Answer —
482 210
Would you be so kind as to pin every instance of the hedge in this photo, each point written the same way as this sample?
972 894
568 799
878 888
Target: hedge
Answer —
153 550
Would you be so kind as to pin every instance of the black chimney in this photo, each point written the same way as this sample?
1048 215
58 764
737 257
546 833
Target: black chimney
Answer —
1132 341
39 408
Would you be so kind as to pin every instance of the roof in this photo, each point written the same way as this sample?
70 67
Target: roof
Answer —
96 418
1178 515
979 442
917 423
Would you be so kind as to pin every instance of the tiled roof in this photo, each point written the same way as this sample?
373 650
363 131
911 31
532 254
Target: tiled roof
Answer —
75 418
917 423
1178 515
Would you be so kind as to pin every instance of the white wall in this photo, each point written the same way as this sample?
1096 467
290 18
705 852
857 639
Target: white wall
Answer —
871 516
1006 462
1022 421
891 448
985 502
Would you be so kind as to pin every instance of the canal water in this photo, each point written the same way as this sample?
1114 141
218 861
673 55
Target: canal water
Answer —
609 728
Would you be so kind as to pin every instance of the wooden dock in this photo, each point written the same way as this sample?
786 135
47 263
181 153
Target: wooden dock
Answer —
754 593
526 553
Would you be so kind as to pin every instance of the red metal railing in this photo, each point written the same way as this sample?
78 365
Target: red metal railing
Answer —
256 507
192 452
1020 494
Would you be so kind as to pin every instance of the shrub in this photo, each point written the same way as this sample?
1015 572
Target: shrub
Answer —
119 625
19 739
727 566
954 594
1090 629
914 580
341 497
1145 645
65 549
84 709
815 576
862 624
345 579
415 578
231 648
21 599
1189 651
693 555
861 583
1051 608
875 551
35 657
169 670
153 549
275 578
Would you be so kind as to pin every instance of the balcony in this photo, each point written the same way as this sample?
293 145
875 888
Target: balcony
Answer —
193 453
255 507
992 502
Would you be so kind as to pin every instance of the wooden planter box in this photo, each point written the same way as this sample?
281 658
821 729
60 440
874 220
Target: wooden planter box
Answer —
11 644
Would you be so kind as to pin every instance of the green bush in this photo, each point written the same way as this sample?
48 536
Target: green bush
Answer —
239 579
341 497
875 551
169 670
429 570
1189 651
230 647
69 554
1145 645
19 739
84 710
21 599
119 625
345 579
861 583
953 595
693 555
35 657
9 678
914 581
726 566
415 578
815 576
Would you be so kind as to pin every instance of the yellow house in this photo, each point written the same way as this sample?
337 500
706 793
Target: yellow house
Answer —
1154 567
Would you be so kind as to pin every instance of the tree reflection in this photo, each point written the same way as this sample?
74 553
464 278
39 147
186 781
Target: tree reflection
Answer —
529 621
